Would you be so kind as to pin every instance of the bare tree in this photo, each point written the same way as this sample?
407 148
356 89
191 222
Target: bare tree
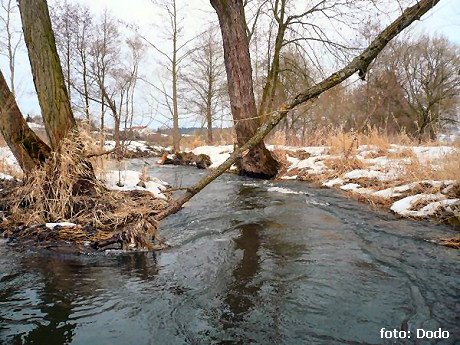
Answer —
74 36
104 60
357 64
10 43
84 36
63 18
136 52
205 79
431 81
174 58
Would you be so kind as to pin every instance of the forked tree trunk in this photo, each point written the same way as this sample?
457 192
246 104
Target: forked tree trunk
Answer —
26 146
46 70
258 162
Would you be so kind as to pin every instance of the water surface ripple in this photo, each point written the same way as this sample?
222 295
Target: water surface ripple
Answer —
250 264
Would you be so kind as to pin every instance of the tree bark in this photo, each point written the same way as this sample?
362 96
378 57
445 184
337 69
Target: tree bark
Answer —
26 146
358 64
47 71
258 162
268 95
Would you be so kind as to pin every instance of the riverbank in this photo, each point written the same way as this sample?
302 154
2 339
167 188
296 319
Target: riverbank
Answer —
63 205
416 182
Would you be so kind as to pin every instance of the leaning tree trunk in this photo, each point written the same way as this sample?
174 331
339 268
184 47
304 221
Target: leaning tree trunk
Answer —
258 162
26 146
46 70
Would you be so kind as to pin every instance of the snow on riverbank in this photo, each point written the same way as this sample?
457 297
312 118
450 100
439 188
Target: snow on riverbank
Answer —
386 177
380 176
115 180
139 146
8 161
217 154
129 180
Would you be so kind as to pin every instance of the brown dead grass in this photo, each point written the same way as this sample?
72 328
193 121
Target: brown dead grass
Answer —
453 242
375 202
343 165
445 168
9 170
65 190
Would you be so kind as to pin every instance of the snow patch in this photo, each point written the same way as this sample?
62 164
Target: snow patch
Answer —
129 180
350 186
313 165
403 206
333 182
7 158
217 154
6 177
362 173
293 177
62 225
34 125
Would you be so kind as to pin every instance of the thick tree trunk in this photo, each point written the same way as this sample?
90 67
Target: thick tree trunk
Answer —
258 162
26 146
46 69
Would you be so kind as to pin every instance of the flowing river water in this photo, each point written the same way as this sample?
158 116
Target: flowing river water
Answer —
251 262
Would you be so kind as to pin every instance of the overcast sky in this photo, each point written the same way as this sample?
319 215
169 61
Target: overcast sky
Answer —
444 19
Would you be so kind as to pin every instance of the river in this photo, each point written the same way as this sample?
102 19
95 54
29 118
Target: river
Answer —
251 262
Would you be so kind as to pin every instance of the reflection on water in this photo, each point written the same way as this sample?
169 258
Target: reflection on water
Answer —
248 266
242 291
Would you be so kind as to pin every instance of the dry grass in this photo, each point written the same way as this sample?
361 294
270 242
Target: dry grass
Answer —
64 189
376 202
341 143
9 170
444 168
453 242
340 140
343 165
450 167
